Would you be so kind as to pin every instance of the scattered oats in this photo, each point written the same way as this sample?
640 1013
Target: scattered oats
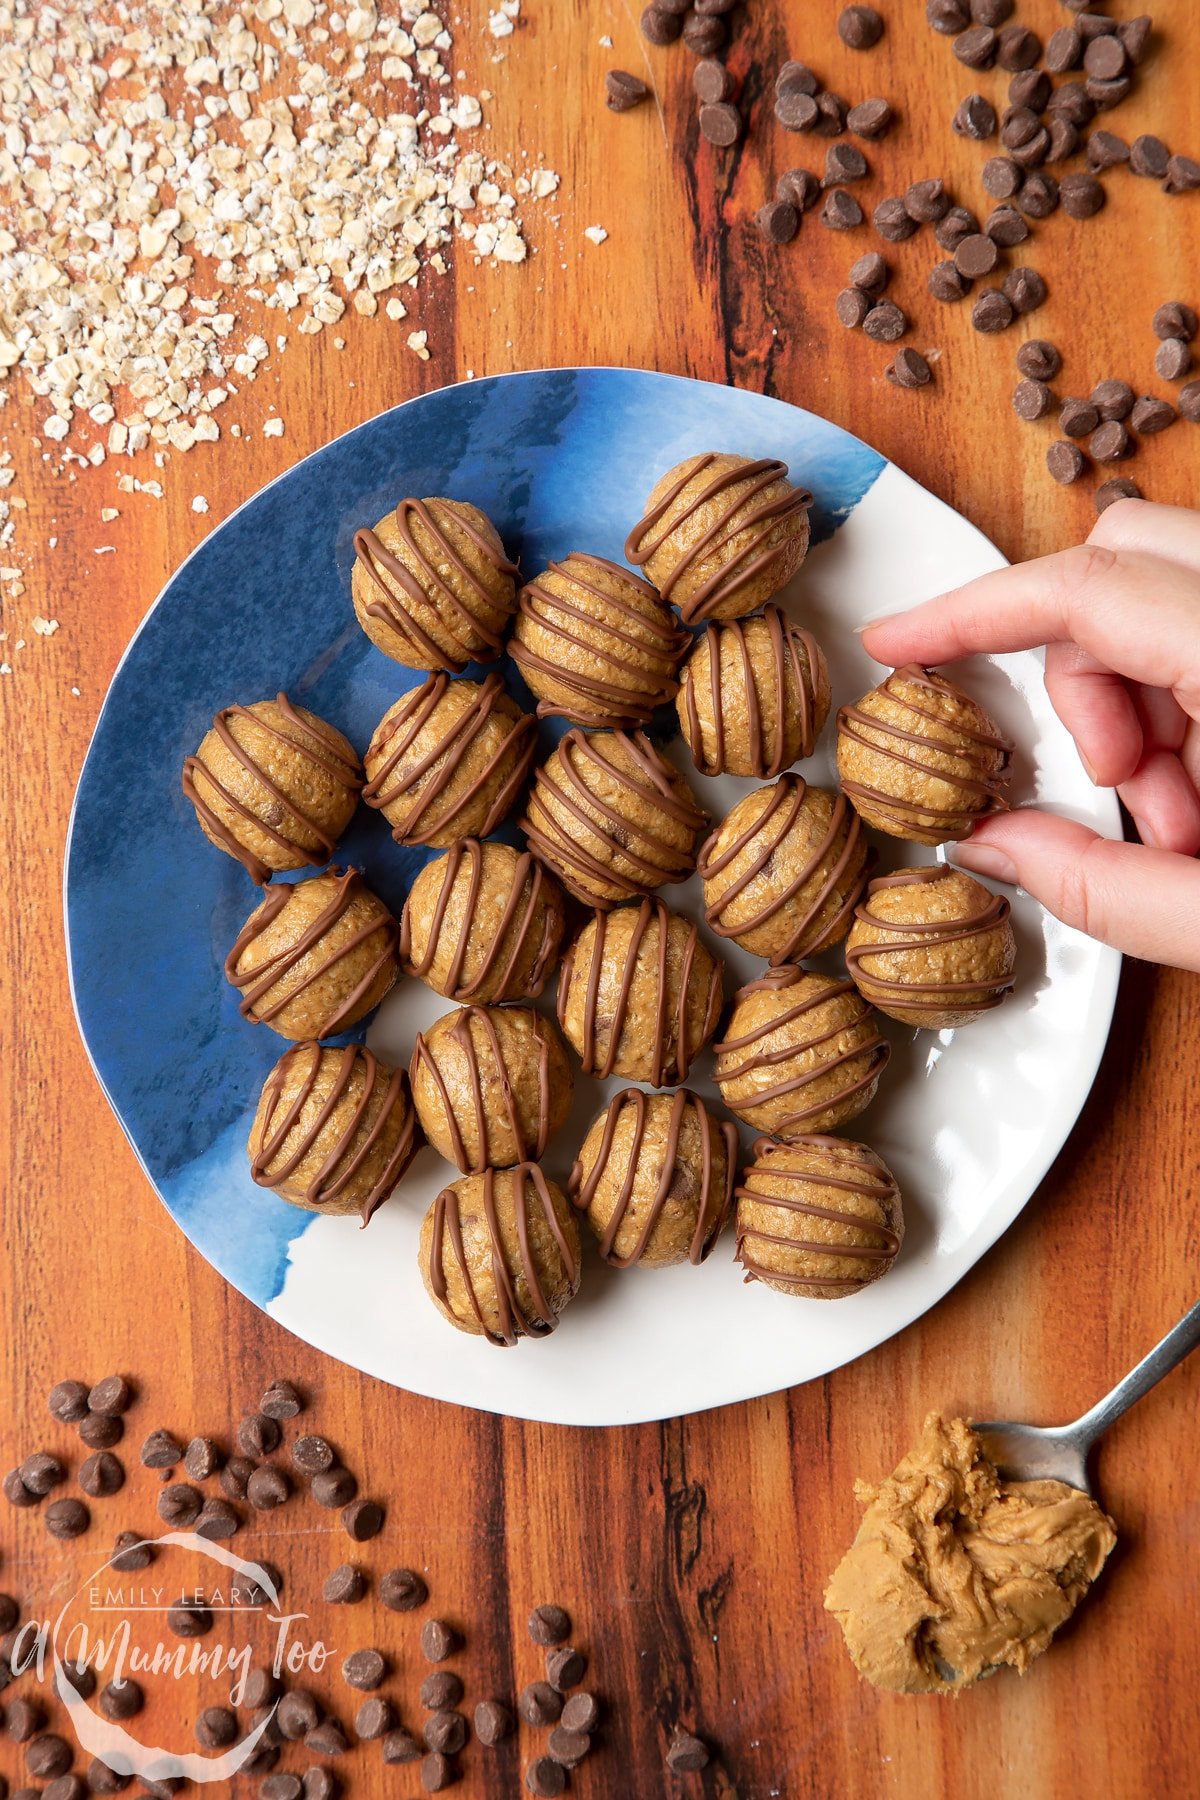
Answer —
106 549
199 503
396 309
45 627
5 668
75 691
596 234
108 514
273 428
500 25
606 43
56 428
417 342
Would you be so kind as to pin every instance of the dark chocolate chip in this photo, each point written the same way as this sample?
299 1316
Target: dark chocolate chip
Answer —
1105 150
885 322
48 1755
364 1669
778 221
362 1520
216 1727
399 1747
565 1667
1039 360
800 186
1172 359
976 256
202 1458
870 273
993 311
892 221
100 1431
440 1689
1183 175
259 1689
179 1505
312 1455
67 1518
1002 177
992 12
1064 50
841 211
568 1747
1150 415
711 81
1120 488
687 1754
445 1730
660 27
539 1704
437 1772
1019 125
218 1519
374 1718
282 1787
267 1488
161 1451
946 284
1065 462
927 201
334 1487
957 225
1062 139
870 119
832 112
859 27
438 1640
42 1472
844 162
297 1714
402 1590
189 1619
1025 288
1039 196
493 1723
704 35
581 1712
622 92
1077 417
976 47
1032 400
720 123
975 118
1134 34
344 1586
1112 399
1175 320
948 16
546 1778
1031 88
1148 155
909 369
101 1474
1073 101
235 1477
120 1700
795 110
24 1720
258 1435
320 1784
1005 226
111 1396
797 78
328 1739
1018 48
69 1401
131 1552
852 307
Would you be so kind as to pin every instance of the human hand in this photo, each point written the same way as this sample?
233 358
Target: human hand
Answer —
1120 618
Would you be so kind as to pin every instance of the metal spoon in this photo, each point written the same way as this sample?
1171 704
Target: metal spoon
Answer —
1059 1452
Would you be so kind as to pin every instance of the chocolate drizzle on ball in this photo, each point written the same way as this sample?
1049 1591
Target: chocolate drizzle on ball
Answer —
343 1160
492 1088
850 1169
709 1219
532 891
784 812
666 1069
640 647
393 779
651 780
743 483
255 984
986 991
464 622
767 735
986 755
307 742
515 1321
874 1048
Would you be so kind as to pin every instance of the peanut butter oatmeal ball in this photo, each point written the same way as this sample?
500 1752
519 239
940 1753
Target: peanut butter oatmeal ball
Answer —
431 585
784 872
596 644
801 1053
721 535
819 1217
655 1179
753 696
273 786
491 1085
611 817
448 760
314 957
482 923
639 994
932 947
919 759
499 1254
334 1131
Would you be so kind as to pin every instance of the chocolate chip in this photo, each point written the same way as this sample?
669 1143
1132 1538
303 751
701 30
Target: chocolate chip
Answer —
976 47
399 1747
445 1730
993 311
581 1713
841 211
160 1451
320 1784
48 1755
1112 399
344 1586
1172 359
258 1435
189 1619
1039 196
440 1689
131 1552
909 369
622 92
976 256
402 1590
721 123
374 1718
870 273
1033 153
859 27
1105 58
1026 289
179 1505
1073 102
852 307
948 16
1064 50
1002 177
687 1754
975 118
1078 417
704 36
992 12
927 201
800 186
844 162
81 1677
1108 94
1175 320
1120 488
1134 34
235 1477
42 1472
218 1520
539 1703
1019 125
946 284
282 1787
565 1667
660 27
711 81
312 1455
1148 155
493 1723
1039 360
267 1488
957 225
328 1739
1032 400
795 110
202 1458
216 1727
831 114
67 1518
546 1778
101 1779
437 1772
1064 461
885 322
362 1520
10 1612
797 78
1150 415
568 1747
69 1401
1018 48
1005 226
1105 150
778 221
334 1487
1183 175
364 1669
1062 139
438 1640
101 1474
120 1700
870 119
111 1396
1031 88
1093 24
259 1689
298 1713
892 221
66 1787
1110 442
100 1431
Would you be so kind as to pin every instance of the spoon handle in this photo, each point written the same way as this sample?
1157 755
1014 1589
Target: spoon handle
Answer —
1179 1342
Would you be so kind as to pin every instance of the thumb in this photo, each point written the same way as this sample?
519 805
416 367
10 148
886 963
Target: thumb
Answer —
1142 901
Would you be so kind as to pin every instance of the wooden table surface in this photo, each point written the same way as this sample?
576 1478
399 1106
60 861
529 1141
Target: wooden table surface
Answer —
691 1554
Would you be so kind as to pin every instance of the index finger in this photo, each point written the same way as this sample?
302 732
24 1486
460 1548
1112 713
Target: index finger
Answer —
1135 612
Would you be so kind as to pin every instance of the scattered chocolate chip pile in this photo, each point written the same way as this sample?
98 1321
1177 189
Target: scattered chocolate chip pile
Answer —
554 1703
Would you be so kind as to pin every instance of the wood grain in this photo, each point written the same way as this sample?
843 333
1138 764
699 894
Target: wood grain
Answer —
692 1555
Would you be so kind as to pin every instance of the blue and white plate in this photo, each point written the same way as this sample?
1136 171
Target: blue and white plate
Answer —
561 460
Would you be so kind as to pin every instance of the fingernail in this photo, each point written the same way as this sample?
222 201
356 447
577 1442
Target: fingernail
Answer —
984 859
1091 773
